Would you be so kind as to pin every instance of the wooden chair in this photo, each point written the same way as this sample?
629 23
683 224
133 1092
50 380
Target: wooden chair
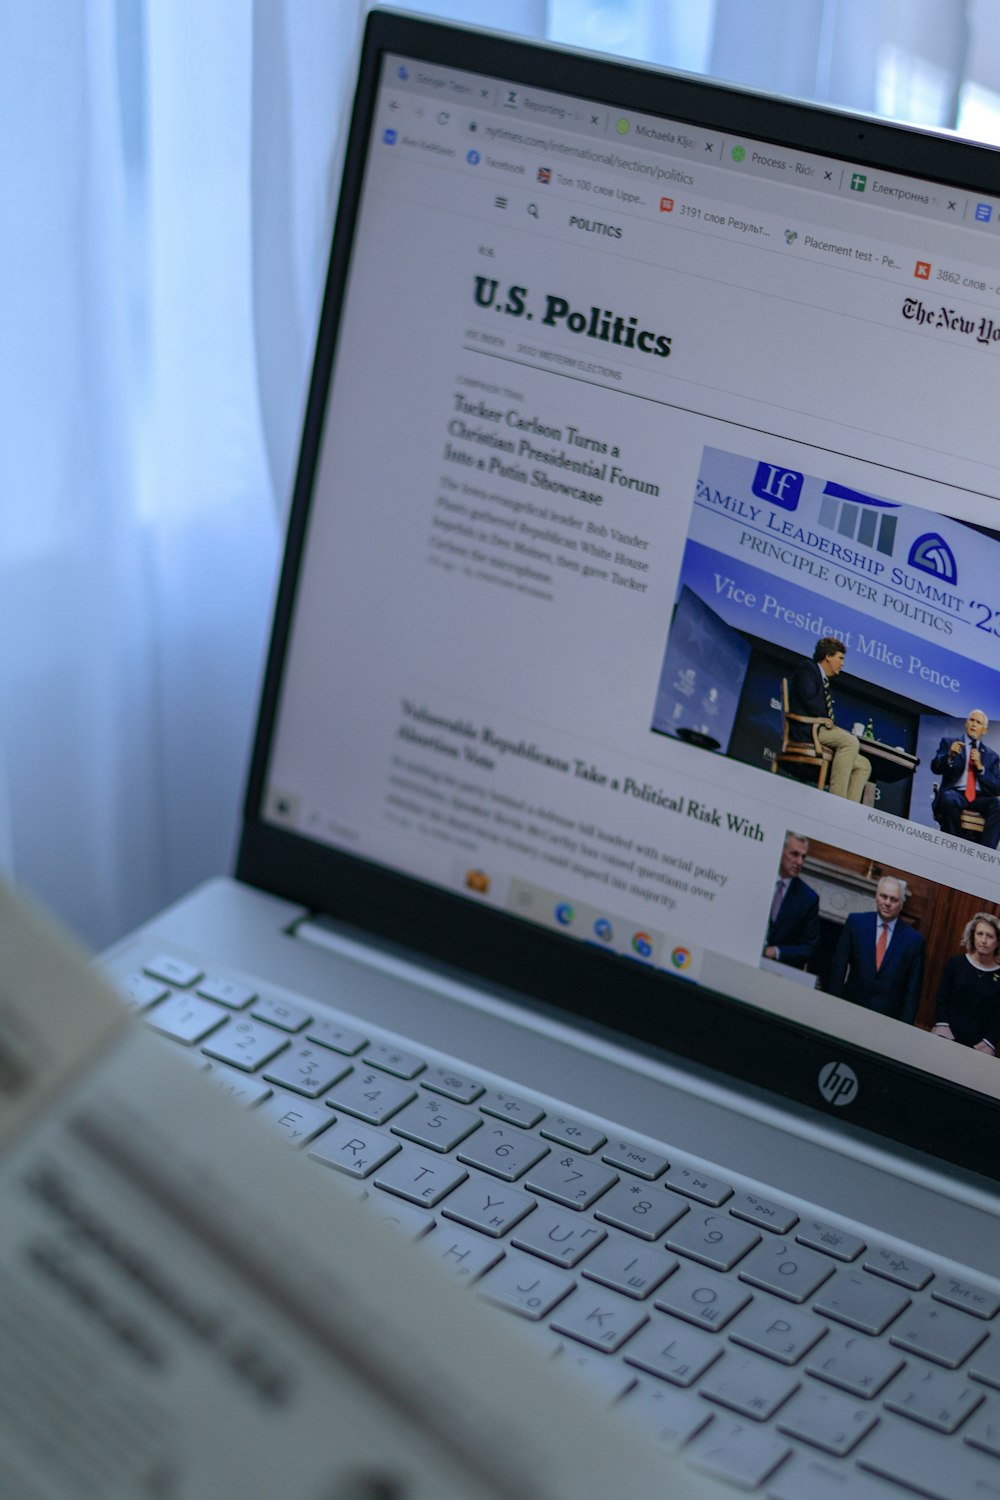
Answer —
808 755
969 821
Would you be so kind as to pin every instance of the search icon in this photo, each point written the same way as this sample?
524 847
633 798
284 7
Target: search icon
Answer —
533 210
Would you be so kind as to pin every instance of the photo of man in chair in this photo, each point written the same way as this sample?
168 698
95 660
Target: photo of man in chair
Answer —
810 723
967 800
833 636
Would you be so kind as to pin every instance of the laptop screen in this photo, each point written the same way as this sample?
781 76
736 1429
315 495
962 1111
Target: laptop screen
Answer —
643 596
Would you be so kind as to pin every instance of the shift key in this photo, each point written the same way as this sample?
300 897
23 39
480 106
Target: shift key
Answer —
929 1464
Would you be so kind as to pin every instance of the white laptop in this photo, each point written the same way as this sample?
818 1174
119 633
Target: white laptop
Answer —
555 922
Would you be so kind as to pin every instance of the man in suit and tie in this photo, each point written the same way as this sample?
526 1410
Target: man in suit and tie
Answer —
793 926
970 781
809 693
879 960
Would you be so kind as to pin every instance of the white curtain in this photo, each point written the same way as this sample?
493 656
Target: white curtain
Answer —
169 170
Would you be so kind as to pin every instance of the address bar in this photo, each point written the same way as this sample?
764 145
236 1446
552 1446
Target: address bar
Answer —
608 157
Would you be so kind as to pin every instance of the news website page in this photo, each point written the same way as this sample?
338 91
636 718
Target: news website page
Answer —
630 421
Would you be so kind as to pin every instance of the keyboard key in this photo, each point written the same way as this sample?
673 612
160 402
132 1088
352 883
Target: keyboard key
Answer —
238 1086
307 1070
172 971
675 1353
742 1455
280 1013
635 1159
566 1131
353 1148
927 1463
933 1397
898 1268
463 1255
487 1206
571 1180
861 1301
708 1190
634 1270
246 1044
185 1019
503 1152
525 1286
338 1038
806 1478
827 1420
604 1376
763 1213
977 1300
558 1235
985 1363
854 1363
946 1337
702 1298
598 1318
371 1096
984 1429
435 1122
393 1060
419 1177
787 1269
503 1106
715 1240
832 1241
140 992
645 1211
402 1218
294 1119
226 992
670 1417
451 1084
747 1385
777 1330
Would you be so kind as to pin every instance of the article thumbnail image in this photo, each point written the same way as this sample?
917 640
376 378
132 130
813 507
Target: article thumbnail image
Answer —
840 638
877 936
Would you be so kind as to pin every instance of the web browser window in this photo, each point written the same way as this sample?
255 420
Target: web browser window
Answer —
627 418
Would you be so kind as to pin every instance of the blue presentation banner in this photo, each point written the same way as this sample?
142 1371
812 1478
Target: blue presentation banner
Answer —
788 557
758 604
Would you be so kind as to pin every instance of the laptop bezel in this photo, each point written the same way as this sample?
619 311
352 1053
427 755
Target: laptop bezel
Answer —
536 967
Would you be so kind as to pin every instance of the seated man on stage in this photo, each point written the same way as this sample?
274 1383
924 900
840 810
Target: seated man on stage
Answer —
809 694
970 782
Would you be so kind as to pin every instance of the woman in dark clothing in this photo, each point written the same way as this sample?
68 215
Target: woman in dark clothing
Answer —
968 1002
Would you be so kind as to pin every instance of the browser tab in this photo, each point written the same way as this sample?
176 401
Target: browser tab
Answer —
558 111
655 134
910 195
772 162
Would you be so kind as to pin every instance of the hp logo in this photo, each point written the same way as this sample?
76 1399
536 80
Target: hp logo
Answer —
838 1084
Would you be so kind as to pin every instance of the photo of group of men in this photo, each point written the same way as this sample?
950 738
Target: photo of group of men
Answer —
894 943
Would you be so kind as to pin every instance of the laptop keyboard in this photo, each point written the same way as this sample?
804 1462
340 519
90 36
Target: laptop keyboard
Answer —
790 1356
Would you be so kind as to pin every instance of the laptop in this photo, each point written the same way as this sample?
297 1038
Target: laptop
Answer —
616 905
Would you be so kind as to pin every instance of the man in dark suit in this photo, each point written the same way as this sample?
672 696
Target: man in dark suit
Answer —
879 961
809 693
970 782
793 925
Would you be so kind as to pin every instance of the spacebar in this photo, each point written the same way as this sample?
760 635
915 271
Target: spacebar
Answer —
930 1465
